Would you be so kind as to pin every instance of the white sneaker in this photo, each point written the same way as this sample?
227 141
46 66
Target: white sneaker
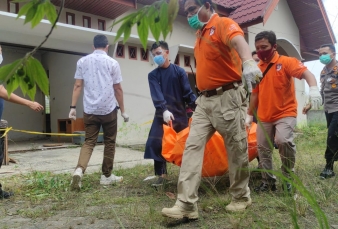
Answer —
110 180
76 181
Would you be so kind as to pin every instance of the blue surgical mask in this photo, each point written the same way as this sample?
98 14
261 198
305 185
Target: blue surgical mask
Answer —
325 59
194 22
159 60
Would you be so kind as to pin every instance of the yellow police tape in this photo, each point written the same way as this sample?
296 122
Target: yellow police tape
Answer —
52 134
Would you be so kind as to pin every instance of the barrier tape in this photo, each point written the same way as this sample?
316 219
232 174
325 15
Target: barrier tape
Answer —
52 134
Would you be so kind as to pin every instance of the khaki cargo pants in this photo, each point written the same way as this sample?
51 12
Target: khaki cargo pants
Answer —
282 130
226 114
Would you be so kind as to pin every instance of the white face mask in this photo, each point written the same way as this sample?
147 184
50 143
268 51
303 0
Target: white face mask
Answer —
1 59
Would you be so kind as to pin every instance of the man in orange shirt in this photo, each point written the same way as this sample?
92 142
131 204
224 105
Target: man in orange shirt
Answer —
221 52
277 110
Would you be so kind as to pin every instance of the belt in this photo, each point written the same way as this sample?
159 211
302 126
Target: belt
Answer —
220 90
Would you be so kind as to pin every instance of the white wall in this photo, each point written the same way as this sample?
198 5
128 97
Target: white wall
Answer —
18 116
282 23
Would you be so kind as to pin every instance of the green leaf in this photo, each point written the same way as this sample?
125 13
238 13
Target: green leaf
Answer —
154 24
12 84
39 14
30 14
143 31
120 31
172 13
8 70
31 93
50 12
164 19
35 70
127 31
24 9
23 85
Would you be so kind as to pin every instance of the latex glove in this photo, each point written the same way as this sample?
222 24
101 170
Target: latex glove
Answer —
72 114
167 116
315 97
248 120
252 75
125 116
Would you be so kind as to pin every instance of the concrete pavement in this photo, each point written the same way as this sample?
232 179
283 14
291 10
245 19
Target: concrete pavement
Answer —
65 159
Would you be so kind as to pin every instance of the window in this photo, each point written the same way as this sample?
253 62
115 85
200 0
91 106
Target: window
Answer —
70 17
86 22
144 54
177 60
120 51
132 52
13 7
186 61
102 25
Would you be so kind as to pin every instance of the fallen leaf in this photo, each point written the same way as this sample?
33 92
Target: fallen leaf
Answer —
171 195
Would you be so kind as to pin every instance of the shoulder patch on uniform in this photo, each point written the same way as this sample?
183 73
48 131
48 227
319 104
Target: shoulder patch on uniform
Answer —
212 30
279 67
233 27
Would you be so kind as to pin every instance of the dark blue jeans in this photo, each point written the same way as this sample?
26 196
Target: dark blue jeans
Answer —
331 153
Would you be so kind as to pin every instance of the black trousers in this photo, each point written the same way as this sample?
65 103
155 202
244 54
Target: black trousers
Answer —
331 153
160 167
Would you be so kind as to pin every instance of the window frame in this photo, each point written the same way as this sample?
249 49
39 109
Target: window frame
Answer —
134 47
186 56
104 24
73 17
9 2
146 52
89 21
123 48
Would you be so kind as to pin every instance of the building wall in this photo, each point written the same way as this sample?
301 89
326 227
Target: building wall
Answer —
18 116
286 31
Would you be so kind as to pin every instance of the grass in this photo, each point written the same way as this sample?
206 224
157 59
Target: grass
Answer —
43 197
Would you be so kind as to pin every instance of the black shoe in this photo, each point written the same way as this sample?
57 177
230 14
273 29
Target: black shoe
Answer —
159 182
275 145
265 188
327 173
287 187
5 195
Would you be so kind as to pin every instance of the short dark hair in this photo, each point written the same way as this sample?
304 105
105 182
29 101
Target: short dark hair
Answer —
331 47
253 53
162 44
100 41
202 2
269 35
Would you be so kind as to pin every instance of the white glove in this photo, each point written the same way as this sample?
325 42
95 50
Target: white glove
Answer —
72 114
125 117
248 120
167 116
252 75
315 97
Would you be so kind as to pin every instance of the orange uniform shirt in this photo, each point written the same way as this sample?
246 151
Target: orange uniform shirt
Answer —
217 61
276 92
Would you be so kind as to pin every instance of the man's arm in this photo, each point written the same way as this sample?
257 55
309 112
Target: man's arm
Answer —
119 96
242 48
76 91
253 103
13 98
251 75
309 78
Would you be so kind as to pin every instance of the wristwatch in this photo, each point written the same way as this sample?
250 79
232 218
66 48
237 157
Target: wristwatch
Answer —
72 107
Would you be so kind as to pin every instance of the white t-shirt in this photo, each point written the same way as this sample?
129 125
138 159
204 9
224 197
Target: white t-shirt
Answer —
99 73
